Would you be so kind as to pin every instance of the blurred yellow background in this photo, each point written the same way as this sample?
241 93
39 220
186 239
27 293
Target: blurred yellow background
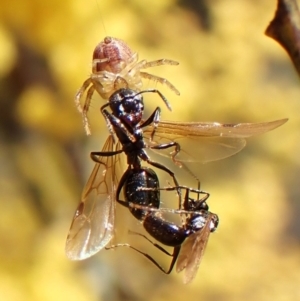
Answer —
229 72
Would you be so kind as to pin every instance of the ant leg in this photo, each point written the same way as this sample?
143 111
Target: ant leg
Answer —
187 201
120 186
94 155
154 118
177 147
153 243
173 154
107 121
187 189
183 166
115 123
160 209
174 255
192 204
164 168
144 156
171 173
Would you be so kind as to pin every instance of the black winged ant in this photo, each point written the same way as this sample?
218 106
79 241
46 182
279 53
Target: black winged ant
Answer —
116 66
142 197
126 123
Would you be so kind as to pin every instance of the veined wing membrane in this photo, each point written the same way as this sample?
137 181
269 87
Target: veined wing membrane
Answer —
206 141
192 252
93 223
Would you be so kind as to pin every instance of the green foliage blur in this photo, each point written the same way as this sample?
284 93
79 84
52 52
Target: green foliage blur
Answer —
229 72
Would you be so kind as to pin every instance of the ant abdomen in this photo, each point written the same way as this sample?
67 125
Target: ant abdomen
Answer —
137 179
163 231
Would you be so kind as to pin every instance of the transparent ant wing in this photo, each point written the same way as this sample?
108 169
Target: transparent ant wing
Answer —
192 251
206 141
93 223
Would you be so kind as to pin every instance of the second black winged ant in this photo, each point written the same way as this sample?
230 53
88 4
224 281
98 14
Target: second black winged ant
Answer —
142 197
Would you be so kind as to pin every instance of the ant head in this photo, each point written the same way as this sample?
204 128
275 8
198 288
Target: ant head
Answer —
202 206
128 106
195 205
199 219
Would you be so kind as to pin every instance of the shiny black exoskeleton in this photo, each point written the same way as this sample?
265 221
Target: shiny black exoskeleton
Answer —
134 182
141 192
127 108
127 105
125 121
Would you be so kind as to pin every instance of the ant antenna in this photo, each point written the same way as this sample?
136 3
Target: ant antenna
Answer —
182 165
